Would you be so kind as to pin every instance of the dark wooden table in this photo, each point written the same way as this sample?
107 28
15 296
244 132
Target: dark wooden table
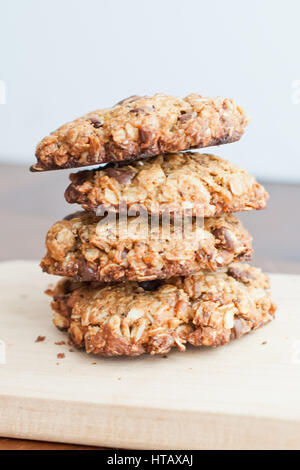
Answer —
31 202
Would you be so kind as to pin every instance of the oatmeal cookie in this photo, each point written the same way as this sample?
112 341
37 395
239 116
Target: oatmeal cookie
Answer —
140 127
205 309
198 184
111 248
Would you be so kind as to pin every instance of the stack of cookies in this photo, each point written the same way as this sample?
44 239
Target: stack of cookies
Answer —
154 260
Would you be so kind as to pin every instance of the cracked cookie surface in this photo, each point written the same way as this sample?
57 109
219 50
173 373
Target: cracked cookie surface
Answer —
111 249
206 309
140 127
198 184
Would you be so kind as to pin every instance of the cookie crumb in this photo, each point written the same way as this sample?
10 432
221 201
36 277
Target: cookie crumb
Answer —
40 338
61 356
164 357
263 343
71 350
94 363
60 343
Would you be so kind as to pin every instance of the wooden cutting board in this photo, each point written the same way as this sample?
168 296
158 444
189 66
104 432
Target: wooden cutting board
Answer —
245 395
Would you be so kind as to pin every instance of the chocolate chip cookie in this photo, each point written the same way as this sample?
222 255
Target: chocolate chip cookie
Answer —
197 184
140 127
206 309
112 248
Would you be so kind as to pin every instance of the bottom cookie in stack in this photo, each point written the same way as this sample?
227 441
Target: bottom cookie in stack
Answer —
130 318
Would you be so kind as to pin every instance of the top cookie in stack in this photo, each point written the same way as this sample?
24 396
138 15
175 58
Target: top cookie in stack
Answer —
140 127
121 296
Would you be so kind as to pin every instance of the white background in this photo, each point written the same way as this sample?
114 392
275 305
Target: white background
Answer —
62 58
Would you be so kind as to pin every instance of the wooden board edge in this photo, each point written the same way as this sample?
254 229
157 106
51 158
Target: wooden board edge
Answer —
141 428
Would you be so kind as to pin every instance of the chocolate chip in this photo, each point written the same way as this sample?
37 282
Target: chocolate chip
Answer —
244 255
72 216
122 176
150 285
187 116
141 110
144 136
86 271
240 274
68 286
226 238
80 177
72 195
96 122
129 99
